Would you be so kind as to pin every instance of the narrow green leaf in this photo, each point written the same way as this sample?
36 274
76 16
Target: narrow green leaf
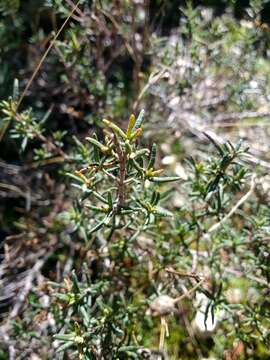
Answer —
217 146
74 177
99 197
85 315
97 144
164 179
152 156
62 297
139 121
98 226
16 90
131 123
163 212
75 282
155 198
65 346
115 128
63 337
110 201
139 153
46 116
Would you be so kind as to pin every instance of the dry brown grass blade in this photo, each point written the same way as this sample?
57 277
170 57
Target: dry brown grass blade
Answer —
3 130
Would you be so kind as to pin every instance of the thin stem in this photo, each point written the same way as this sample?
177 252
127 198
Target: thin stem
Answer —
38 67
216 226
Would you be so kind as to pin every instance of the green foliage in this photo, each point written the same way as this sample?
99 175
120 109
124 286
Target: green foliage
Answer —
116 215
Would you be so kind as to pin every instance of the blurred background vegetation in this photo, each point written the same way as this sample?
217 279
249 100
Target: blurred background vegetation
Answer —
201 71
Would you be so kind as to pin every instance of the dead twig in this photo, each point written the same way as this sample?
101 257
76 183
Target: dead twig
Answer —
189 292
153 78
185 275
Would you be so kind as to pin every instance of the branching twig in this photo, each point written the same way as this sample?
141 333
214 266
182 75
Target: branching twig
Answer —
3 130
216 226
122 157
28 283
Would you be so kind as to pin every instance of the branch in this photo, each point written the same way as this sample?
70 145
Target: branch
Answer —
216 226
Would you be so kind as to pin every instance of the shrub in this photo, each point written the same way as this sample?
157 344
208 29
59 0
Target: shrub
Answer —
107 253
